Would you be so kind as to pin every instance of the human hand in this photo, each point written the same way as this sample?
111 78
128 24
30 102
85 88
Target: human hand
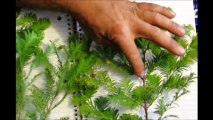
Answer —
120 22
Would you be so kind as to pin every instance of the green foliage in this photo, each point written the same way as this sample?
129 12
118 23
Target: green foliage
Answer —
43 98
40 24
127 95
31 115
162 107
27 18
156 50
142 43
100 109
163 60
20 95
108 55
105 81
123 95
140 94
30 22
40 101
189 57
170 77
27 43
175 81
129 117
81 83
153 80
78 61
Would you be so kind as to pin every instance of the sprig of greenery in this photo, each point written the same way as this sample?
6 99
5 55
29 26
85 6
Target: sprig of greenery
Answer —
129 117
100 109
123 94
27 42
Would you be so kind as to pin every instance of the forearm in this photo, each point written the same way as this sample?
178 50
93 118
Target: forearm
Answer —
75 7
42 4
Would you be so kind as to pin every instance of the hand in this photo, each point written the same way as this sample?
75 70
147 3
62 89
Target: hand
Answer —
118 23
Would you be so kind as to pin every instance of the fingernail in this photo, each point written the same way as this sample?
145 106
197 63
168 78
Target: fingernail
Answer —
181 50
181 30
173 13
142 75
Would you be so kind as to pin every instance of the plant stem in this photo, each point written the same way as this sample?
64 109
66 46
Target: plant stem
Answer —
143 78
146 109
65 95
50 108
46 114
145 102
19 115
144 51
52 100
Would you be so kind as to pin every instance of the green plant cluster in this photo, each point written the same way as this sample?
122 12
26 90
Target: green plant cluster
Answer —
78 75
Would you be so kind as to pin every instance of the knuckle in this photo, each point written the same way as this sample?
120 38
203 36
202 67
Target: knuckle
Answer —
156 33
173 24
119 32
168 24
156 16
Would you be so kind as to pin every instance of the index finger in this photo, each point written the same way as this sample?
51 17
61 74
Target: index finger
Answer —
129 48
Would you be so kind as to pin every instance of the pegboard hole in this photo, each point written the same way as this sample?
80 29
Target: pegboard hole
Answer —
59 18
